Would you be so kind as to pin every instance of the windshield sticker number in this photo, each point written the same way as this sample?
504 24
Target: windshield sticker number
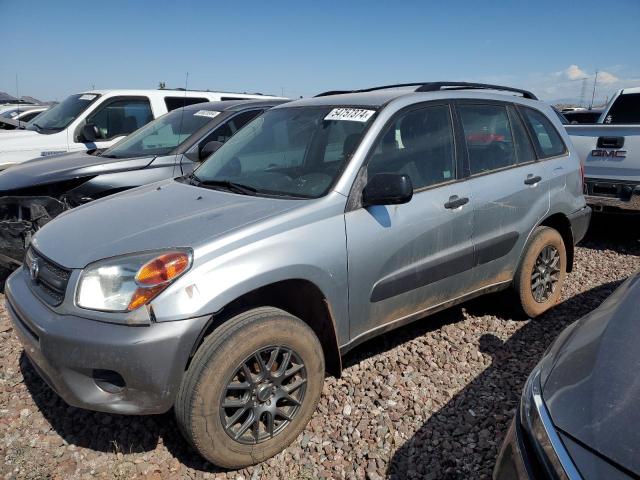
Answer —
87 97
206 113
350 114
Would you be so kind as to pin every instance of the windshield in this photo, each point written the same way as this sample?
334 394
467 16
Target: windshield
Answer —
61 115
161 136
291 152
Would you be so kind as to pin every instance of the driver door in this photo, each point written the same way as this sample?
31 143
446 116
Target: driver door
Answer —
405 259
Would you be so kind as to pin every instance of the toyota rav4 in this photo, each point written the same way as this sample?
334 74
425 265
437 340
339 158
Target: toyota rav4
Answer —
228 293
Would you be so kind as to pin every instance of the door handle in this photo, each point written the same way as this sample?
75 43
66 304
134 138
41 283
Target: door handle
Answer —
531 180
456 202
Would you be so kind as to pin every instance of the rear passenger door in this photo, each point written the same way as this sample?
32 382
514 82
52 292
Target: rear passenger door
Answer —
509 186
405 259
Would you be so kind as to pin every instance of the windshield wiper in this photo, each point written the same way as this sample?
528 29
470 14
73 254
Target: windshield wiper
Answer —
37 126
226 184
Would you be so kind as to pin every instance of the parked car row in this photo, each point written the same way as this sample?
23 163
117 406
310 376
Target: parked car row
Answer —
228 289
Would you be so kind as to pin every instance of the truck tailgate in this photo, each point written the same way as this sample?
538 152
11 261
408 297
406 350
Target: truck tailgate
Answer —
596 146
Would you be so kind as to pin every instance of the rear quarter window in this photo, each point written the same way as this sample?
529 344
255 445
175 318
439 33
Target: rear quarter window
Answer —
546 139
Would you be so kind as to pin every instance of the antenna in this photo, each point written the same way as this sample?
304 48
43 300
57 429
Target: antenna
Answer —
593 94
184 102
18 97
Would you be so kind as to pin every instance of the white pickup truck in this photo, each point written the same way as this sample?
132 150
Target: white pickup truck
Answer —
610 151
96 120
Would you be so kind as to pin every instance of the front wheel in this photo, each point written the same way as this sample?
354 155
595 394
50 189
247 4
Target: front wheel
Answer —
251 388
542 273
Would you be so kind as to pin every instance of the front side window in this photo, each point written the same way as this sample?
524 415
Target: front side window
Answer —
159 137
121 117
625 110
61 115
418 144
546 138
225 131
288 151
488 136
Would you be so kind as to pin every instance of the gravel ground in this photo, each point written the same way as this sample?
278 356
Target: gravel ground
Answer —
431 400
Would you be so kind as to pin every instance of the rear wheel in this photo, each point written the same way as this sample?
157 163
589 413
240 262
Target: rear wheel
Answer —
251 388
542 273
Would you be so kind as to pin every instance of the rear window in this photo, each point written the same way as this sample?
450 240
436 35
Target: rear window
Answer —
177 102
625 110
546 138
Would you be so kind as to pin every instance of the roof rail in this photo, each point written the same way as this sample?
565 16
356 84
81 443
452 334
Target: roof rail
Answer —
182 89
437 86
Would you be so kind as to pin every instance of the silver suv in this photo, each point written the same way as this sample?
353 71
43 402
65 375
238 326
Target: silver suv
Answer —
227 294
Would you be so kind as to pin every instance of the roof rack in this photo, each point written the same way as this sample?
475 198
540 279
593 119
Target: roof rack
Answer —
437 86
182 89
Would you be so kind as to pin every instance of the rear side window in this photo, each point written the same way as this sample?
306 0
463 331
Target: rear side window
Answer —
177 102
546 138
488 136
418 144
625 110
524 149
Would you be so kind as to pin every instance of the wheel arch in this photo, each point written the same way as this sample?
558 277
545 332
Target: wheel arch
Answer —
299 297
560 222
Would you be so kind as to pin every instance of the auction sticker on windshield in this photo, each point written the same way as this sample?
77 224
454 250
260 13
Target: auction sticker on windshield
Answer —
87 96
350 114
206 113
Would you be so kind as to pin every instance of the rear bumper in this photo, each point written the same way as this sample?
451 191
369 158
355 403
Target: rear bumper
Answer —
612 195
75 355
580 223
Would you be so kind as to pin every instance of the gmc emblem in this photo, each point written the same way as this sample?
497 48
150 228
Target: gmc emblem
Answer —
609 153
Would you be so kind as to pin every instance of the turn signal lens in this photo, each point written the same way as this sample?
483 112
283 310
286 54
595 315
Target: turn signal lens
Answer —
156 275
162 269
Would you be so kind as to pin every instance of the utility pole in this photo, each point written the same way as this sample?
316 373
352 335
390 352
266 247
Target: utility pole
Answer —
593 94
583 92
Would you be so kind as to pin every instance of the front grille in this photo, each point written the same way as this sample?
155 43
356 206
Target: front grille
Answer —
48 280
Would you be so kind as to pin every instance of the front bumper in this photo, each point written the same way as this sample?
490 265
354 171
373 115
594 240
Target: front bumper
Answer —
612 195
513 460
142 365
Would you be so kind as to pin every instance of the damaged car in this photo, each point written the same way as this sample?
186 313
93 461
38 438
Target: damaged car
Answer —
227 294
34 192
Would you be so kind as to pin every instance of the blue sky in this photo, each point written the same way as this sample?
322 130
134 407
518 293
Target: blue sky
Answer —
303 48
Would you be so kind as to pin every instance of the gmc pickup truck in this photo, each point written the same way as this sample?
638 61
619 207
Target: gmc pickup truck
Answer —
610 152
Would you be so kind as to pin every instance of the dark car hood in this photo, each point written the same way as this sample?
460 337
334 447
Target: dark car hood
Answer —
593 390
47 170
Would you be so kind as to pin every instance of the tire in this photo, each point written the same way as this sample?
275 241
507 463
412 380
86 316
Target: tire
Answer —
532 303
218 362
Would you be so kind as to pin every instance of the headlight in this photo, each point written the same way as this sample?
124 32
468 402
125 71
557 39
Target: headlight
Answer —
122 284
543 438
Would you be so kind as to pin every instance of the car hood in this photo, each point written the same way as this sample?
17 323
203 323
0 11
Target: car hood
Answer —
47 170
593 389
166 214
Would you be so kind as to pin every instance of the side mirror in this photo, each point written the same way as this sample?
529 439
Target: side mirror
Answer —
209 148
90 133
387 189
